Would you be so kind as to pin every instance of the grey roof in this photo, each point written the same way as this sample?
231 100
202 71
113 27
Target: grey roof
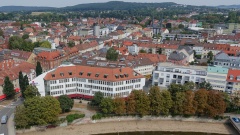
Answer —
188 49
177 56
222 56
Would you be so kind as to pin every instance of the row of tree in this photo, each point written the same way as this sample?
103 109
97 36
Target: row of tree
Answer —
164 102
23 43
38 110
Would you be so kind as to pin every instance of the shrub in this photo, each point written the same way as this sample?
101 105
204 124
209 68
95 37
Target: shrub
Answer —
97 116
71 117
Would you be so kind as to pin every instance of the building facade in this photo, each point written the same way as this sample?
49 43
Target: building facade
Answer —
167 73
85 81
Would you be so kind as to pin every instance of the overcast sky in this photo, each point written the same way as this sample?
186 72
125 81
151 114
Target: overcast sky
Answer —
63 3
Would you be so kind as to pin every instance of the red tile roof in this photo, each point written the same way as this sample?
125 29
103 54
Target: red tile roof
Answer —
96 73
49 55
234 73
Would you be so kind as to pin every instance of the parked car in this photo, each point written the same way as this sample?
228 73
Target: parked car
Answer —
4 119
237 120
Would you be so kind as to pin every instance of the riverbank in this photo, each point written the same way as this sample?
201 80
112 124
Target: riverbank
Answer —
139 125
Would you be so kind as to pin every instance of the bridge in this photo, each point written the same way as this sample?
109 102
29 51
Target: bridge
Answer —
235 124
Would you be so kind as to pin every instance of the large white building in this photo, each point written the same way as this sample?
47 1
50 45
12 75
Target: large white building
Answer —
167 73
84 81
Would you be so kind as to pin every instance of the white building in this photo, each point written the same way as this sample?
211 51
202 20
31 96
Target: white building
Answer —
133 49
198 49
217 76
167 73
104 31
84 81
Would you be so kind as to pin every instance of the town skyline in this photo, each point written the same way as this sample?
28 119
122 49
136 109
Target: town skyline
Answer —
62 3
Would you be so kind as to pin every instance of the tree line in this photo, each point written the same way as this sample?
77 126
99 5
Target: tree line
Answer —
184 102
40 111
23 43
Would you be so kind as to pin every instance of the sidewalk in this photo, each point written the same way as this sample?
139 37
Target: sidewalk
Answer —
11 126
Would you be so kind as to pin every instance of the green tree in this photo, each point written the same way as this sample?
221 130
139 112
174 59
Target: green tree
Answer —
98 96
42 110
20 118
45 44
189 85
178 103
205 85
31 92
142 102
181 26
167 102
66 103
210 56
15 42
1 33
142 51
38 69
119 106
174 88
112 54
25 36
21 82
8 88
71 44
156 103
25 83
107 105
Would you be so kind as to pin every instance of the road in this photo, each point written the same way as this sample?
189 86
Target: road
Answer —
8 110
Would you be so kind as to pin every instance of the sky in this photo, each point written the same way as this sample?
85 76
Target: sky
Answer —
63 3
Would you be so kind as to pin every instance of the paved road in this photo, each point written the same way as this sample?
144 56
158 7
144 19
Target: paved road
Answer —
8 110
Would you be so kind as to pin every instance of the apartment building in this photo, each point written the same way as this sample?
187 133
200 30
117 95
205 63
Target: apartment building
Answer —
222 59
233 81
167 73
216 75
84 81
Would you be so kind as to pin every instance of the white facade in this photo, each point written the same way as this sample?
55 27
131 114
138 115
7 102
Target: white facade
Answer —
198 49
144 69
104 31
133 49
87 86
167 73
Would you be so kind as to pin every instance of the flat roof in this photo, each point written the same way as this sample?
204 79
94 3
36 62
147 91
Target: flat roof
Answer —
171 65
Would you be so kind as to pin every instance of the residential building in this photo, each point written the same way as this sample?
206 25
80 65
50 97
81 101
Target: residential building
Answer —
85 81
167 73
20 56
222 59
85 32
233 81
216 76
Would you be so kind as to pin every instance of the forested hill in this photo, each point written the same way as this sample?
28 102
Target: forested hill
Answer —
229 6
23 8
118 5
111 5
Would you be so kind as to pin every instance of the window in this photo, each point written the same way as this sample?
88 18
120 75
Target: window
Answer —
105 76
97 75
89 74
61 74
53 75
70 73
81 73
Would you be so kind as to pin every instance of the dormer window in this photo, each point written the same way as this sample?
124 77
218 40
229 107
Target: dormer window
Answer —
231 77
61 74
105 76
81 73
121 76
70 73
116 76
53 75
238 77
97 75
89 74
126 75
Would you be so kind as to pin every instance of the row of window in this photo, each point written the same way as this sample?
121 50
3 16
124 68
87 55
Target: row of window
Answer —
124 88
56 92
56 87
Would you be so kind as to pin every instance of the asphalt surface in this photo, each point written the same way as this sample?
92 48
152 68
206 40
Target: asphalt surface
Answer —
8 110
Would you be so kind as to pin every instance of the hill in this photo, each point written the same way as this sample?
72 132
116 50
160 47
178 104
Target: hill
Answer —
118 5
23 8
229 6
